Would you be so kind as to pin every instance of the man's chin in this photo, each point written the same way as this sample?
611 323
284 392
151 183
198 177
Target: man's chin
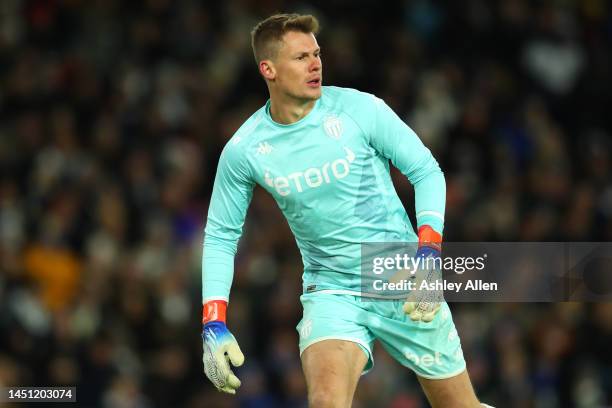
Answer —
308 95
313 94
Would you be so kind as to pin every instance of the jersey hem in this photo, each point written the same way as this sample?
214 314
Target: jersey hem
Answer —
356 293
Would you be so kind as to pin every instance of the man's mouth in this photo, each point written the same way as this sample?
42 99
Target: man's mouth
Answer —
314 83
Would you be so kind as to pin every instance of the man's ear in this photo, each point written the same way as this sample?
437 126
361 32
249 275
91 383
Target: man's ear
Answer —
267 70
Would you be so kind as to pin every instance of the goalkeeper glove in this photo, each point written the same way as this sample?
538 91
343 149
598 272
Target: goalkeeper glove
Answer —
220 348
423 304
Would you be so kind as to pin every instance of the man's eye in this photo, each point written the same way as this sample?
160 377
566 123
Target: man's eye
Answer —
300 57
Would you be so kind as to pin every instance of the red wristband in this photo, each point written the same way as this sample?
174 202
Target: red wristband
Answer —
429 237
215 310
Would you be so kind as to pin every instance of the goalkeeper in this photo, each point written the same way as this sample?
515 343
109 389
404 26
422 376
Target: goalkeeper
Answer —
323 153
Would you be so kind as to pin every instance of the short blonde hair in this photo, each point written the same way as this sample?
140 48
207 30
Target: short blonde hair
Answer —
267 34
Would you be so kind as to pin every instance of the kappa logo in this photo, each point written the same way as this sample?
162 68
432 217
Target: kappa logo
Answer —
452 335
264 148
312 177
333 126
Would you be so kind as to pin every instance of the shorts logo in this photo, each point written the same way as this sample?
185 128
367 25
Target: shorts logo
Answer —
425 360
306 328
333 127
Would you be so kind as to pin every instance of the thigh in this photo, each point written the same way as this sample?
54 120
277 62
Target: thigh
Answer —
332 369
334 317
453 392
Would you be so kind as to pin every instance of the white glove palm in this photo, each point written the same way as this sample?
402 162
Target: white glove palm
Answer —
221 349
424 302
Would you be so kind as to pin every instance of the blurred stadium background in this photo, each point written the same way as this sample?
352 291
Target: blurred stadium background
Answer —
112 117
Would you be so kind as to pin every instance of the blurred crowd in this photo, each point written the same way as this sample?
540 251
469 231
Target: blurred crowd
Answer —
112 118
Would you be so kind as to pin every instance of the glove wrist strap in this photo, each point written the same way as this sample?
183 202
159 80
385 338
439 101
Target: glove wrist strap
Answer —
215 310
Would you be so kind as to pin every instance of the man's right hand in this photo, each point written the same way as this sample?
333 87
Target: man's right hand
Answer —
220 349
423 304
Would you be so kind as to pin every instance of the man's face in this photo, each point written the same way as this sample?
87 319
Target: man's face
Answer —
298 66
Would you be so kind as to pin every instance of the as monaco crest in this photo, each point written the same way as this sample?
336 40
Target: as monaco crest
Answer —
333 126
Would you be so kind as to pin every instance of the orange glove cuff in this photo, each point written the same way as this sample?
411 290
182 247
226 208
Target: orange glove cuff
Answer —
215 310
429 237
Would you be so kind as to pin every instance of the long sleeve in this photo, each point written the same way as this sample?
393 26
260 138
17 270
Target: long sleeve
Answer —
394 140
232 193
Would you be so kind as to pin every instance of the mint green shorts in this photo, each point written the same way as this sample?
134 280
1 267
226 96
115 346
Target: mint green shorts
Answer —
432 350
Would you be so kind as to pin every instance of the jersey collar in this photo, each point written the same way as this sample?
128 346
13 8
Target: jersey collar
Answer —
304 121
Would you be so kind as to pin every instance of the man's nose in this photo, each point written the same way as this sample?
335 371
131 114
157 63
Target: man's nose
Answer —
315 65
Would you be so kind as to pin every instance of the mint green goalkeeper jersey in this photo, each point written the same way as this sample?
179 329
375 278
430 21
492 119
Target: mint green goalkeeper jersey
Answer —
329 174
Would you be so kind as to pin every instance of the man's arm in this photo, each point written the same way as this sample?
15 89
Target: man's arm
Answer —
393 139
232 193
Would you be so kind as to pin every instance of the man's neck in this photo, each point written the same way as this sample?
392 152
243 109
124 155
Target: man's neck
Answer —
286 111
